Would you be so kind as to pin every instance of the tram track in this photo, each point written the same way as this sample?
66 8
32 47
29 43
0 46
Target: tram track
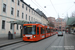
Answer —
24 45
10 44
62 41
7 46
59 43
16 45
53 42
20 46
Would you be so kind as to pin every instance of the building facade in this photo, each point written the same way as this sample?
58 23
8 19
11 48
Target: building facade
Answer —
60 24
44 19
52 19
12 10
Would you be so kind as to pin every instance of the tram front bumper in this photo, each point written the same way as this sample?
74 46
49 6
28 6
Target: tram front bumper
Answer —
29 39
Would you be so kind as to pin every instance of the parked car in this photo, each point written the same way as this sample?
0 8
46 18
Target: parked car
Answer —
60 33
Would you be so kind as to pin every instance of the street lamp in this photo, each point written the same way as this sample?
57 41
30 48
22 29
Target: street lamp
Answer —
44 6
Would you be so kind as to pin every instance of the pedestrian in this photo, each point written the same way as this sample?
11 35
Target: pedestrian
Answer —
9 35
9 32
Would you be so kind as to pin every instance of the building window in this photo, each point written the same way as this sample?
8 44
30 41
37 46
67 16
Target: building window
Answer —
3 24
29 10
17 13
12 0
26 7
4 7
29 18
17 26
26 16
11 26
60 27
32 19
32 11
22 15
22 5
18 2
12 10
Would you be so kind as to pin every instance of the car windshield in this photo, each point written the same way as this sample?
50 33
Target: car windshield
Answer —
60 32
29 29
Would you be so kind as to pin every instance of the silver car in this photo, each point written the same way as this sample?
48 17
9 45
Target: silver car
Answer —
60 33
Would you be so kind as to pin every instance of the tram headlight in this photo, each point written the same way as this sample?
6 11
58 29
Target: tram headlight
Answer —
34 36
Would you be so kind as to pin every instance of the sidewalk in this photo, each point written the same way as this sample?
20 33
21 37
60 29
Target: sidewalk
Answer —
5 41
69 42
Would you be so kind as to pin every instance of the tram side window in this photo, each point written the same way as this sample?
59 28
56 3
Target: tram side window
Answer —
42 31
54 30
37 30
48 30
51 30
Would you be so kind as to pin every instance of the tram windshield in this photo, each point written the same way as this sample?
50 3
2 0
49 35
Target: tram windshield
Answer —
29 29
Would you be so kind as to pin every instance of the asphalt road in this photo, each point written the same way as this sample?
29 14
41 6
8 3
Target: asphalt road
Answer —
69 41
50 43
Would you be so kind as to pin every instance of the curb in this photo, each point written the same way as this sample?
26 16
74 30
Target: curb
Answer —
10 44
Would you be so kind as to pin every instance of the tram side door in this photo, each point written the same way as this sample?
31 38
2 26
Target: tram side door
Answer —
42 33
38 33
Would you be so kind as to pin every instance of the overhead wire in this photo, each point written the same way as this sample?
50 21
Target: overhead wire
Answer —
63 3
43 9
34 3
39 6
53 7
69 8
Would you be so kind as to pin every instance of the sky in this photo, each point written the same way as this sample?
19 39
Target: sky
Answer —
54 8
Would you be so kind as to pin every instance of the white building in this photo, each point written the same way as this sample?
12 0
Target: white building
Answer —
12 10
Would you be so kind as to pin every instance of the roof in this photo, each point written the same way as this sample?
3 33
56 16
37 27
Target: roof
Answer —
41 13
71 21
29 6
20 22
